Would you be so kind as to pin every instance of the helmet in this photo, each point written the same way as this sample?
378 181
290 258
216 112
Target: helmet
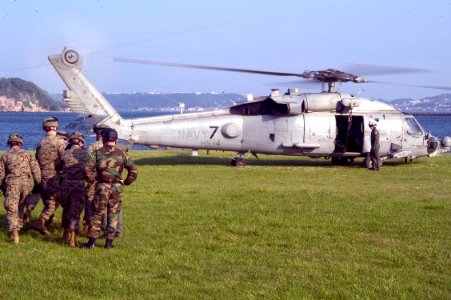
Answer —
372 123
77 136
98 128
109 135
49 122
15 138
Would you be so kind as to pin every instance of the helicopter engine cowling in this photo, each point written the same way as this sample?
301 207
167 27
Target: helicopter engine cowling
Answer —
350 103
322 102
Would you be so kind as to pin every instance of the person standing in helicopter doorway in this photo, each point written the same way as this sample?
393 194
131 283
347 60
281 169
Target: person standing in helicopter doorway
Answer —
375 146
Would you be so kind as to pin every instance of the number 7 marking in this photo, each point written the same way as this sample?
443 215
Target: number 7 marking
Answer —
214 131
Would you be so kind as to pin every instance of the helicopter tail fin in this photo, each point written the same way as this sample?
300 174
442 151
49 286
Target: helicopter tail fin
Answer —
81 96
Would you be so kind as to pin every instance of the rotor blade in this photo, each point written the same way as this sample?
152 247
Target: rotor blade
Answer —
171 64
307 84
364 69
435 87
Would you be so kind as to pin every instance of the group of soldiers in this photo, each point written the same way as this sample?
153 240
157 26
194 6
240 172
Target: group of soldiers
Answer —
70 176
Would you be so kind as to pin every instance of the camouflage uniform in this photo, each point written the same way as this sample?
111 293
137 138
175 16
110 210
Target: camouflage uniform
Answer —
33 199
17 166
106 166
91 188
73 190
48 154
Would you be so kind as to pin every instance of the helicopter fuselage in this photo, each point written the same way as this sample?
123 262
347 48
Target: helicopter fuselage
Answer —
327 124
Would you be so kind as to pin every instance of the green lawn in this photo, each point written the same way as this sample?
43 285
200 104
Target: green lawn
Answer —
281 227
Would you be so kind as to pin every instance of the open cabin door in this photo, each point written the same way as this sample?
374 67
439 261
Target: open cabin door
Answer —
350 134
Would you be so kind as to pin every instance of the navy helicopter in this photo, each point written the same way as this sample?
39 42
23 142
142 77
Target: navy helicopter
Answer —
329 124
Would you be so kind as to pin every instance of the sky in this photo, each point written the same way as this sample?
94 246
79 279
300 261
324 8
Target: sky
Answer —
277 35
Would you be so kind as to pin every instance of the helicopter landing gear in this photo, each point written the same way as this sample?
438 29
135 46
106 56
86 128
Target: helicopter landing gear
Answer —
238 161
339 161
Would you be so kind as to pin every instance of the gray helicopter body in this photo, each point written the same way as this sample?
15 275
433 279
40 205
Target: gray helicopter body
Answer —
327 124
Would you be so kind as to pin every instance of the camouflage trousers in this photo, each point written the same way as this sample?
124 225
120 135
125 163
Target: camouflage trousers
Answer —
32 200
49 195
73 200
16 191
108 200
90 192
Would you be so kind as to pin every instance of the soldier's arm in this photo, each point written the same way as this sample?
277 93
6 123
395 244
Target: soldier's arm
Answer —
89 168
2 170
35 170
131 169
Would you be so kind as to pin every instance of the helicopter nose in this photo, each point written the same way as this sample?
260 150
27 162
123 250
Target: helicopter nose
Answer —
433 144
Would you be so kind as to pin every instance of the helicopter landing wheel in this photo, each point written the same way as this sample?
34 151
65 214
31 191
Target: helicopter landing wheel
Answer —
238 162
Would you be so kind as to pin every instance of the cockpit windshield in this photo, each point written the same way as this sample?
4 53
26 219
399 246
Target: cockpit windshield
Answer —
412 126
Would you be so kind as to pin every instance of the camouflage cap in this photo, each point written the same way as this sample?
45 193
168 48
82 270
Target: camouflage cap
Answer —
49 122
98 128
77 136
15 137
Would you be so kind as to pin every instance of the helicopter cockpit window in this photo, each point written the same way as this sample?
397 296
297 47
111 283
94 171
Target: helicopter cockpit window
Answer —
412 127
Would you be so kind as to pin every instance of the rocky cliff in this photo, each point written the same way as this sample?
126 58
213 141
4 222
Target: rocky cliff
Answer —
20 95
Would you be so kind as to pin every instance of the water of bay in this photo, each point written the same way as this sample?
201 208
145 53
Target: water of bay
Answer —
29 125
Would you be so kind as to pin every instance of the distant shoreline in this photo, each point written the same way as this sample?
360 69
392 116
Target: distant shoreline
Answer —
438 114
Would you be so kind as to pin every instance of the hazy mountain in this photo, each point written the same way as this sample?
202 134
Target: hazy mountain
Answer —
436 104
148 101
170 101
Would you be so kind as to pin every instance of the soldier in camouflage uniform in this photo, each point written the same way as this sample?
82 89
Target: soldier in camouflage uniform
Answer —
73 190
91 188
48 153
33 199
17 168
106 166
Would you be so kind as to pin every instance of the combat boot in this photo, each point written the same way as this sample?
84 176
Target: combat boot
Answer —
15 237
90 244
73 239
48 224
108 244
39 225
66 235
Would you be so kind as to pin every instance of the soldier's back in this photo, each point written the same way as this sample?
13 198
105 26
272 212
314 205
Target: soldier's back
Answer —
17 163
49 152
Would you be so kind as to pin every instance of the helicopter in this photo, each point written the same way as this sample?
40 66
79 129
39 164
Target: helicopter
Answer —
328 124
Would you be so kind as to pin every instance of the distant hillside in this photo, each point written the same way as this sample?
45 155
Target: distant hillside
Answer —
437 104
208 101
192 101
20 95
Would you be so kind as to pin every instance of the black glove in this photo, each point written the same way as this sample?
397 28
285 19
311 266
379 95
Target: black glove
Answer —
36 189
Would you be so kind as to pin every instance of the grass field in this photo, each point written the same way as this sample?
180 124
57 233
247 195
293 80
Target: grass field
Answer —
280 228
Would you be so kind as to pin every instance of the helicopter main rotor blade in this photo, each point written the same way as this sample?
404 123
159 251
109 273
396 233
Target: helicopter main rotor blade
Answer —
366 69
435 87
179 65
